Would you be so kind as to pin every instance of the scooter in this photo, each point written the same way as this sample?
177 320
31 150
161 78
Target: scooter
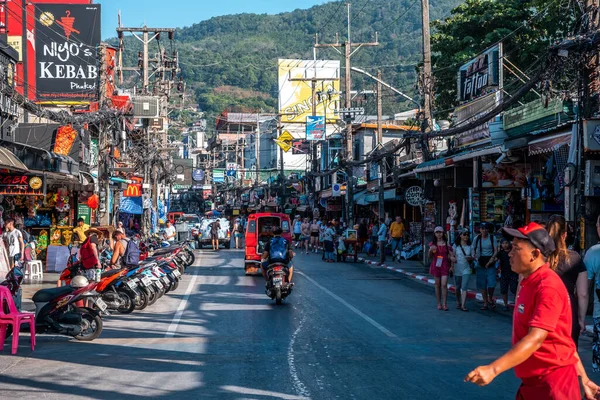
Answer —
278 288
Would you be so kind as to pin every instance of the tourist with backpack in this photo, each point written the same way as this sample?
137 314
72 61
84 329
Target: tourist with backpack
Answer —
126 253
89 253
484 249
277 250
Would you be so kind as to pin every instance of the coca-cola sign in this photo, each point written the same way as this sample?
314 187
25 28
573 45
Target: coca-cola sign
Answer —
480 75
66 39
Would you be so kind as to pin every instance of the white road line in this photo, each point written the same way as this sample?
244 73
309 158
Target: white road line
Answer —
298 385
177 317
356 311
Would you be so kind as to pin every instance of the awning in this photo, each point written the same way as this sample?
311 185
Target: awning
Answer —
85 178
359 198
548 144
432 165
10 161
131 205
470 154
389 194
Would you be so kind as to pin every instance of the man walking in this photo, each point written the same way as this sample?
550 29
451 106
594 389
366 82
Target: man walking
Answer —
382 240
396 235
14 241
543 354
484 248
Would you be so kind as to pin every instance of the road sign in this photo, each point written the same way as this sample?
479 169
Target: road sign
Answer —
231 166
352 110
336 190
231 172
198 175
285 141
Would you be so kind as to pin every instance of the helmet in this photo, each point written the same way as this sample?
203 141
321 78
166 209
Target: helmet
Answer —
79 281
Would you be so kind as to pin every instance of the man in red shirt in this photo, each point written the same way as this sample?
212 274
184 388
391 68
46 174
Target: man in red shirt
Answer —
543 354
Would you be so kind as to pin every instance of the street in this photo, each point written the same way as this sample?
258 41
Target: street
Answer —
348 331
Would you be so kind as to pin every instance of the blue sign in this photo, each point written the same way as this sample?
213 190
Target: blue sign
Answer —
231 172
198 175
315 127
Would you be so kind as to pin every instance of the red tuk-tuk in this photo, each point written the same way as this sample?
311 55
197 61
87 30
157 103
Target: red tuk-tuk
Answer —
258 233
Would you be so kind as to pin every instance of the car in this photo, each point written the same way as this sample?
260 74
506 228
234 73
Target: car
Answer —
204 237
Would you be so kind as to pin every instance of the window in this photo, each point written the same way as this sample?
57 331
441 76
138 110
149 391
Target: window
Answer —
252 226
285 226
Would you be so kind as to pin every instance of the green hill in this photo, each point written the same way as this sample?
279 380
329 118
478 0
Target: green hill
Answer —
231 61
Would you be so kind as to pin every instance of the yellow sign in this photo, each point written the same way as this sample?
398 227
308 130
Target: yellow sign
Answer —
285 141
295 92
16 42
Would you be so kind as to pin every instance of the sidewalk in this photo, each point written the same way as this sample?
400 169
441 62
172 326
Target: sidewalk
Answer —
417 271
30 286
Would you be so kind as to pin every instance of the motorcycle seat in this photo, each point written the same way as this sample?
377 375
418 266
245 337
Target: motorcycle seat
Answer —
111 272
46 295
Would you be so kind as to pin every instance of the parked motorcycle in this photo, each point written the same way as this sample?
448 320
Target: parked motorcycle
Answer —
278 287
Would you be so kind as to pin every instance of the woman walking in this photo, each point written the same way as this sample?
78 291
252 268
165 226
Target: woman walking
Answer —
305 238
571 269
462 260
328 236
439 253
508 278
314 235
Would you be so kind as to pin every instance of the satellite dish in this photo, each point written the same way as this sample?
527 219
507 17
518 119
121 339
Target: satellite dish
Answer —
414 196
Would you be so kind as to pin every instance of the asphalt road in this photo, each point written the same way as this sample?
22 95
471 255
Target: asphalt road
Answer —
348 331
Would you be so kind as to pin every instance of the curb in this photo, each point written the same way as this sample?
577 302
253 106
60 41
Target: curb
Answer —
429 281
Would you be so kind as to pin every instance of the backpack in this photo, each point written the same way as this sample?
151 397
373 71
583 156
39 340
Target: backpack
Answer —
240 228
87 256
278 249
132 254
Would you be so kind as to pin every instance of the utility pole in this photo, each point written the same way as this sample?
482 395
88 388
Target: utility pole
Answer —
348 46
382 166
427 78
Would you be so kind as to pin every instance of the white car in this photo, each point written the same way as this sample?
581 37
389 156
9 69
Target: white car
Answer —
204 236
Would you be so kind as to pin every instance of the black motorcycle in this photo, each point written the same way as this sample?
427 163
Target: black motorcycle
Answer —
278 287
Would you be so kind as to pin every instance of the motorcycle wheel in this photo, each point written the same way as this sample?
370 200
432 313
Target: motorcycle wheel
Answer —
278 296
181 270
161 292
191 258
92 322
175 285
152 296
141 301
129 303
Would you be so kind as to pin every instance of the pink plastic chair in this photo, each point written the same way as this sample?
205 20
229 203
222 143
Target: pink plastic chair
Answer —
14 318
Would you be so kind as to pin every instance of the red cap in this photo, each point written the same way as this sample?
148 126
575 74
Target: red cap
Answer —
536 234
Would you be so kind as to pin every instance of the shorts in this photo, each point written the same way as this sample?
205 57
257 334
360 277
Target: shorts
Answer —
214 236
485 278
314 234
508 279
297 236
560 384
238 235
462 282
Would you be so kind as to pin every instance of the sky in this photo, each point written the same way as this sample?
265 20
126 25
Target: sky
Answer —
180 13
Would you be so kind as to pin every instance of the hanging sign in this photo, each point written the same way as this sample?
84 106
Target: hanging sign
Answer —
21 184
133 190
315 127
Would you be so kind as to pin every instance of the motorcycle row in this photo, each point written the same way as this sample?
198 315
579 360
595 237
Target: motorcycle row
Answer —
77 309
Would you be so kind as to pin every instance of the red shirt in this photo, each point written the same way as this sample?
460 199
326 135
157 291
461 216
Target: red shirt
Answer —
544 303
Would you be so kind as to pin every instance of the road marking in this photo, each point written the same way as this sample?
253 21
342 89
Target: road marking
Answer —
356 311
177 317
298 385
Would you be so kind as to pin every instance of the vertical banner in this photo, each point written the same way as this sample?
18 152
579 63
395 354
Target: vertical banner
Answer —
315 128
66 39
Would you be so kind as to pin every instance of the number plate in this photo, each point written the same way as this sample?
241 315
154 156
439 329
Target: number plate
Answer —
277 281
176 273
101 304
166 280
146 281
131 284
159 284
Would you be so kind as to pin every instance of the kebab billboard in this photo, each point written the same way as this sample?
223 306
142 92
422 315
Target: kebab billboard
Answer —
67 40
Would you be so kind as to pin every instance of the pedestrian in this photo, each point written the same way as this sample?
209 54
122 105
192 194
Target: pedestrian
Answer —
80 230
439 254
14 241
328 236
543 355
592 263
297 230
170 232
215 227
305 228
462 262
314 235
374 239
508 279
396 236
484 247
381 240
571 269
238 230
362 233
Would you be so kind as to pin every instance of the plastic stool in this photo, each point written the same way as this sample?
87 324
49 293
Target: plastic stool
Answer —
34 269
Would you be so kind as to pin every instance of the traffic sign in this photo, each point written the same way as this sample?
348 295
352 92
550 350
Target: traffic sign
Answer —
285 141
336 190
198 175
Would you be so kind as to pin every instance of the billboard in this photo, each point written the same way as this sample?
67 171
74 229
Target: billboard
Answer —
66 39
481 75
315 128
295 93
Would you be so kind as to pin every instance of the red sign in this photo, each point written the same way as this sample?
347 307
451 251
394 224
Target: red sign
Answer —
17 184
133 190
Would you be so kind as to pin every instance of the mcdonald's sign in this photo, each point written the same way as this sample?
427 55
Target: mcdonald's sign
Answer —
133 190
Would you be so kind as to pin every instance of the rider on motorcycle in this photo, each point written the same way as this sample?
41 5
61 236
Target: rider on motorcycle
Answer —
277 250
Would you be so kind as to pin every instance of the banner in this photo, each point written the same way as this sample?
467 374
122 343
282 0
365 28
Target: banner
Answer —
218 175
22 184
300 146
315 128
66 40
480 75
295 97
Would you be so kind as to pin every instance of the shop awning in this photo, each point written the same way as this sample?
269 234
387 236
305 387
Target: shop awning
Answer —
131 205
359 198
470 154
389 194
550 143
85 178
10 161
432 165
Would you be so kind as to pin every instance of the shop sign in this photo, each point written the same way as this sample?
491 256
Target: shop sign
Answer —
480 75
504 175
182 187
218 175
21 184
67 38
300 146
133 190
83 211
315 127
531 112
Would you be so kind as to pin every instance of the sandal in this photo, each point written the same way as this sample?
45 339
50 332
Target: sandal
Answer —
458 307
439 306
484 308
445 308
464 309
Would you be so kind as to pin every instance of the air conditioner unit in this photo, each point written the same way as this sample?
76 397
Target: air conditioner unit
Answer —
145 107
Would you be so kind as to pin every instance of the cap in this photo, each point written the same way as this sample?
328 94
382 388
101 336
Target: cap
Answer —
536 234
463 230
93 230
438 229
485 225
